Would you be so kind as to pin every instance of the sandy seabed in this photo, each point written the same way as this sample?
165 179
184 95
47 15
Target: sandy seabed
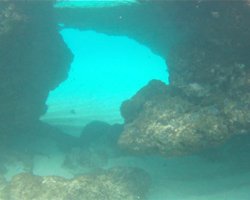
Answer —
204 177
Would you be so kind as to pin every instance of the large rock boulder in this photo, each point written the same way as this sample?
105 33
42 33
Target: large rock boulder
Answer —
116 183
168 124
172 121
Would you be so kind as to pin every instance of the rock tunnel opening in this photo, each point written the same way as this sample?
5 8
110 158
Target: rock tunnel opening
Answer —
106 71
39 154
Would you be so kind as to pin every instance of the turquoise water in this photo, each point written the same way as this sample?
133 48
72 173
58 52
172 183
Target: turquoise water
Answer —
106 71
79 134
91 3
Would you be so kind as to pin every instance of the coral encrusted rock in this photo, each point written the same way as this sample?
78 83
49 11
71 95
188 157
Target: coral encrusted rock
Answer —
208 99
113 184
169 124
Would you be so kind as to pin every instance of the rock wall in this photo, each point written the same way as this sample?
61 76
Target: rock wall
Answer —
156 24
34 60
208 98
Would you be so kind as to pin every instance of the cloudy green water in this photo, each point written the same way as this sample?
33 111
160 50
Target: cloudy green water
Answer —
106 70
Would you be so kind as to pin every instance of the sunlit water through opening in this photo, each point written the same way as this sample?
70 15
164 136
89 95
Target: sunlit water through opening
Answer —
91 3
106 70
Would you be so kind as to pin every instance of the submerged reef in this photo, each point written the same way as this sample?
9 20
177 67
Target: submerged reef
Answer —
116 183
163 122
173 121
208 99
206 47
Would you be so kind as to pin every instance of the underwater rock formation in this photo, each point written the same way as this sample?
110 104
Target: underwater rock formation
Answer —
161 122
178 120
34 60
205 43
206 46
213 68
208 99
96 145
151 23
116 183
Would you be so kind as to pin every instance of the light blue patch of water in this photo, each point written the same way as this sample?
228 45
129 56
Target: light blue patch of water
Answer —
91 3
106 70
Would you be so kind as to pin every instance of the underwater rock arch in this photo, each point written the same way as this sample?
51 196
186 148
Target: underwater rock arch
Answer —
203 54
205 43
106 70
